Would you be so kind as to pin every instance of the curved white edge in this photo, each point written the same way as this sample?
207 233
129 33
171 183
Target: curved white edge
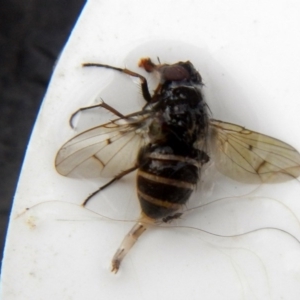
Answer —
248 55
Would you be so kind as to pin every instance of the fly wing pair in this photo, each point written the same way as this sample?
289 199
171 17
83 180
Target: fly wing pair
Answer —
241 154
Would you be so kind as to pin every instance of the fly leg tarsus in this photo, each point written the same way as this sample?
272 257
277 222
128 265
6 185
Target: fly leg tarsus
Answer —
102 104
122 174
144 84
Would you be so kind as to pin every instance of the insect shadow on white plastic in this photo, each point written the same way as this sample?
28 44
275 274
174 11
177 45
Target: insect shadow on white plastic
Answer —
168 142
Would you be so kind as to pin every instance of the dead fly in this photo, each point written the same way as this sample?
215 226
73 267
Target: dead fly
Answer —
168 142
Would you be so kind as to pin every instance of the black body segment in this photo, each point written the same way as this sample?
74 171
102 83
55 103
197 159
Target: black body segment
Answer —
170 165
164 185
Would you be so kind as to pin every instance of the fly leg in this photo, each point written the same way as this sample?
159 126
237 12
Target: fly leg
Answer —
132 236
144 84
102 104
122 174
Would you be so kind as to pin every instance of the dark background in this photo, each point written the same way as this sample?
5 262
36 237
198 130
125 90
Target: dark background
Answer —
32 34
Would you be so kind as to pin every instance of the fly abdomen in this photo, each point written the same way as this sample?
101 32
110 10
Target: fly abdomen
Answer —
165 181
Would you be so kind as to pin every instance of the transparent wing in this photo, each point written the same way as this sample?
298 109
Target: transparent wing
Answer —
105 150
251 157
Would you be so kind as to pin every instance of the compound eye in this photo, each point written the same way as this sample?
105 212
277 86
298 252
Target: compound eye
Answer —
175 73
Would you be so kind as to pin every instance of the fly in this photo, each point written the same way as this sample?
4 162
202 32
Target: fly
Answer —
168 142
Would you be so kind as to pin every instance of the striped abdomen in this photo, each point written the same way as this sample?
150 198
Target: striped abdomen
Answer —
165 181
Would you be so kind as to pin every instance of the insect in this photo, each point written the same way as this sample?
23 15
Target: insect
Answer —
168 142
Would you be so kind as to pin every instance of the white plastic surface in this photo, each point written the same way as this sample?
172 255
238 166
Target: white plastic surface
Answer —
248 55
